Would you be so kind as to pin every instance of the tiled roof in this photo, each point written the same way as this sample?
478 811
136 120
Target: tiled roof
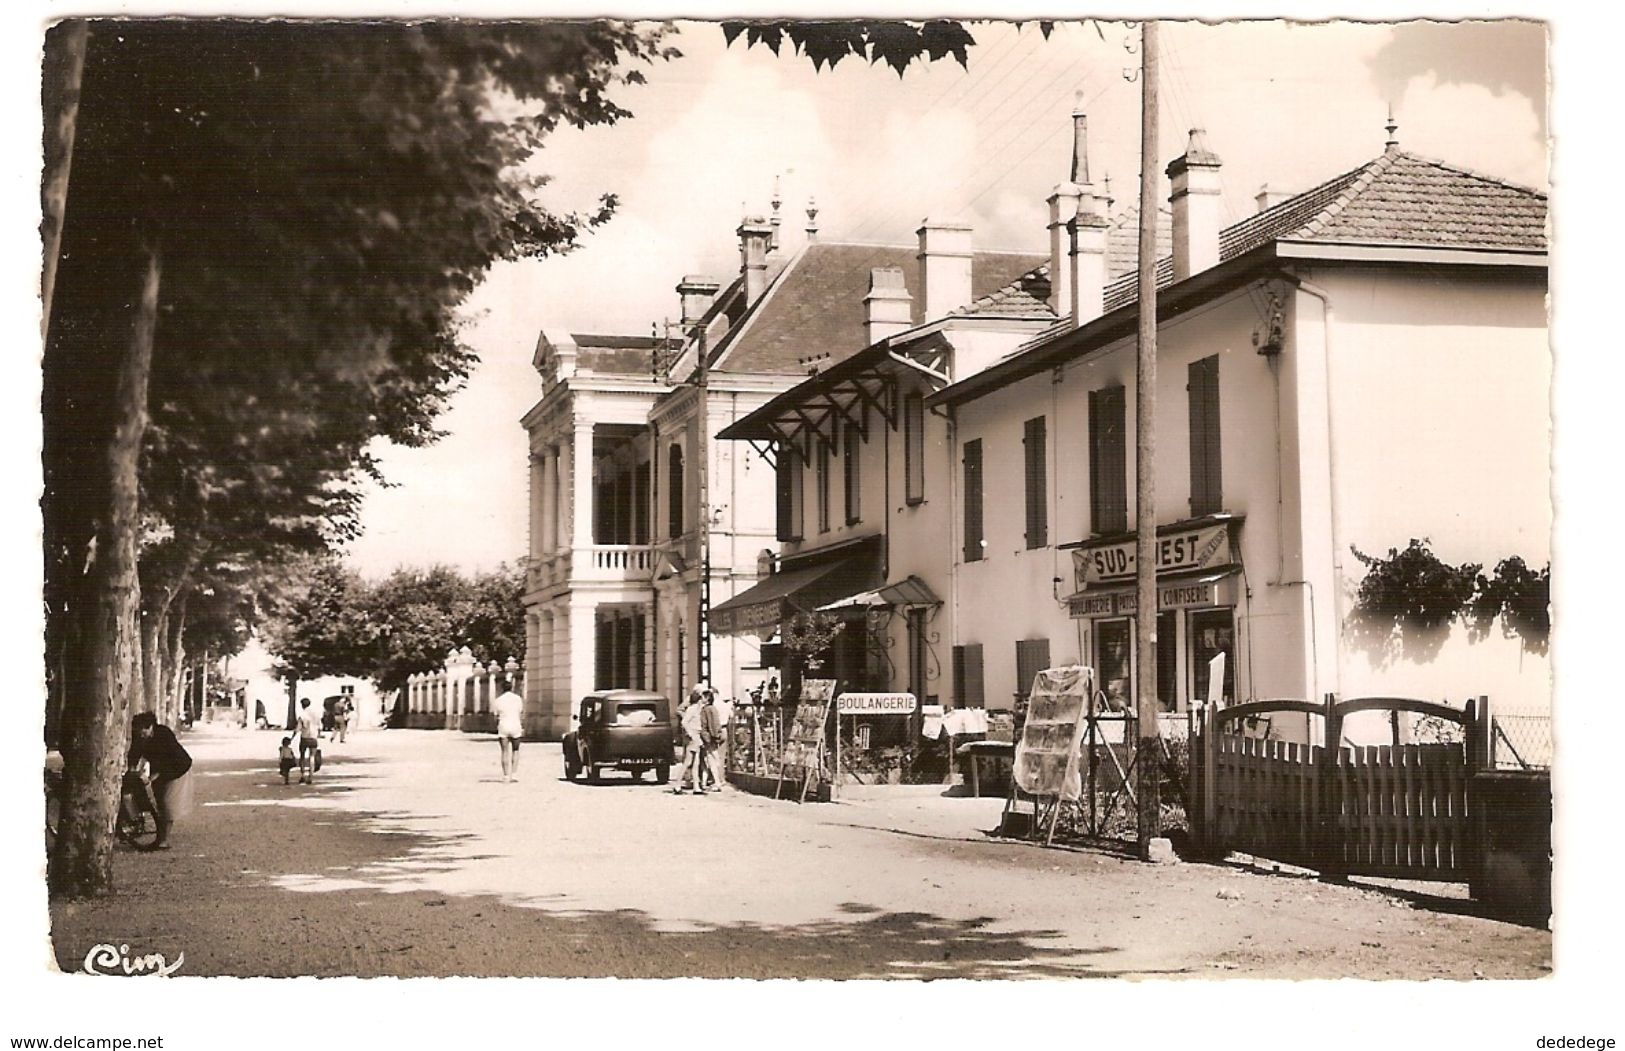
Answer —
815 306
1123 240
1397 199
619 355
1026 296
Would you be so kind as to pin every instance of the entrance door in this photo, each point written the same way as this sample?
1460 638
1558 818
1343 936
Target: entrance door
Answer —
1114 659
1213 631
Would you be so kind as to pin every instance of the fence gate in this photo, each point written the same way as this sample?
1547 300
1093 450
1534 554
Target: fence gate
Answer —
1398 810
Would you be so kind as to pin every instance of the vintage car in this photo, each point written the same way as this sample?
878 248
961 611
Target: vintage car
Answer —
622 729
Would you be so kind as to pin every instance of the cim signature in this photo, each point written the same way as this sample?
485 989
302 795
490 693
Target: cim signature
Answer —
116 960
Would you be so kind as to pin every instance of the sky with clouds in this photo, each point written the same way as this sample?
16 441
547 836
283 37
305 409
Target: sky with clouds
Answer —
1282 103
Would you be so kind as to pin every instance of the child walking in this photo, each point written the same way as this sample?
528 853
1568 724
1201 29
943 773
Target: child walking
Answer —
289 760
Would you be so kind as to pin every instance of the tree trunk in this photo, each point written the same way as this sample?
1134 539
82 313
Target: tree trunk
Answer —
175 657
101 671
293 704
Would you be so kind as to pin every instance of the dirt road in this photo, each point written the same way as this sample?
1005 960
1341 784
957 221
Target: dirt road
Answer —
410 856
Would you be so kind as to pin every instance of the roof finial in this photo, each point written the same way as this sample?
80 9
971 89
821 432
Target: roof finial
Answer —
1393 129
812 219
1080 142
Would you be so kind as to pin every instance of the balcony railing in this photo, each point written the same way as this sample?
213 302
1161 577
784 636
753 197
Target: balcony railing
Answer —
596 562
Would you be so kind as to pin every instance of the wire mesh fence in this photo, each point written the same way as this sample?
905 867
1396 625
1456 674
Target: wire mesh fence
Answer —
1522 740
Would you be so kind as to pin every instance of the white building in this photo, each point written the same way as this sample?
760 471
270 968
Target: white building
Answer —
1361 364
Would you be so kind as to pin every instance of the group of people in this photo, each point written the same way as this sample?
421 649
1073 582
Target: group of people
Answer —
308 727
702 724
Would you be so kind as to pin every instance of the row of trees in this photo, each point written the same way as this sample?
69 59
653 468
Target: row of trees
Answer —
336 623
258 236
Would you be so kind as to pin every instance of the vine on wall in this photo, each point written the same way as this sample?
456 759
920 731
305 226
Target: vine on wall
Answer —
1408 600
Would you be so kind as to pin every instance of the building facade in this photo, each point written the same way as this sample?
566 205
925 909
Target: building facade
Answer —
1359 365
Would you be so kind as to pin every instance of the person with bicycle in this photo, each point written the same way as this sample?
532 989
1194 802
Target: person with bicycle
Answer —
171 769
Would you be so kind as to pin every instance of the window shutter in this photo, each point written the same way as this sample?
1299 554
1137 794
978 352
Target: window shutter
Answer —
1108 460
854 490
782 514
674 492
1034 445
973 500
1032 657
1207 482
968 676
914 447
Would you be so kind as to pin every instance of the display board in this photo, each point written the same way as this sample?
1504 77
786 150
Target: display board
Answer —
1046 762
803 744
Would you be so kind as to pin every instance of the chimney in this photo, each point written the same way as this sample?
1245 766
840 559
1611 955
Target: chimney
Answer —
1195 200
1089 232
696 293
1063 206
886 309
773 241
754 234
1267 198
945 261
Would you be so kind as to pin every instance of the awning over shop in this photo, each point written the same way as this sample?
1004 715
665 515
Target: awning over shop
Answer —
1173 592
761 609
910 591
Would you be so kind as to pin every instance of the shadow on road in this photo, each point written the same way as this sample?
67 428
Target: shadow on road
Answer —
253 888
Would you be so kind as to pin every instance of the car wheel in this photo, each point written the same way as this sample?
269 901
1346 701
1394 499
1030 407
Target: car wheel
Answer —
572 770
592 769
663 773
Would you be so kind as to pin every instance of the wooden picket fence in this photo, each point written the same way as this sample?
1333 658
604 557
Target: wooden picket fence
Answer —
1400 810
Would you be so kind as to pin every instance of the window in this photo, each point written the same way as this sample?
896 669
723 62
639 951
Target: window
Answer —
1108 460
1206 477
821 480
914 448
1167 661
674 492
1212 632
790 494
1114 660
851 458
974 543
968 677
1032 657
1033 445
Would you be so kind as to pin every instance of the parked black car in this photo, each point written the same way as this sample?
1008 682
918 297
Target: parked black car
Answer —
624 730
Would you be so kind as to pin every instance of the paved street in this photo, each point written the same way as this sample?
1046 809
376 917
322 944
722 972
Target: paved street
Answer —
410 856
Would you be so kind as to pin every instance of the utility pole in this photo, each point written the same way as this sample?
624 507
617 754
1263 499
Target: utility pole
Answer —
1149 755
702 377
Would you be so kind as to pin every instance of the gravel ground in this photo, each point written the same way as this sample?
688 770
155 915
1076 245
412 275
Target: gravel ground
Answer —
410 856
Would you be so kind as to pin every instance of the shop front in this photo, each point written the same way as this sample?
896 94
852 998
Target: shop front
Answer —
1199 589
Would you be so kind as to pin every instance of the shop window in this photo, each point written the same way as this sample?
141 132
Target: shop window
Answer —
1213 631
1114 660
1108 460
674 492
1167 661
1034 445
1207 479
914 447
790 493
968 677
821 482
974 543
851 458
1032 657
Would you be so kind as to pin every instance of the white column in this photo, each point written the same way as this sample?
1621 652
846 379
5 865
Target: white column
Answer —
537 545
547 537
581 487
581 665
559 670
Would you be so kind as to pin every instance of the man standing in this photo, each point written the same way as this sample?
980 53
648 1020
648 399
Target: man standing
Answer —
711 738
691 716
171 769
510 712
310 740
